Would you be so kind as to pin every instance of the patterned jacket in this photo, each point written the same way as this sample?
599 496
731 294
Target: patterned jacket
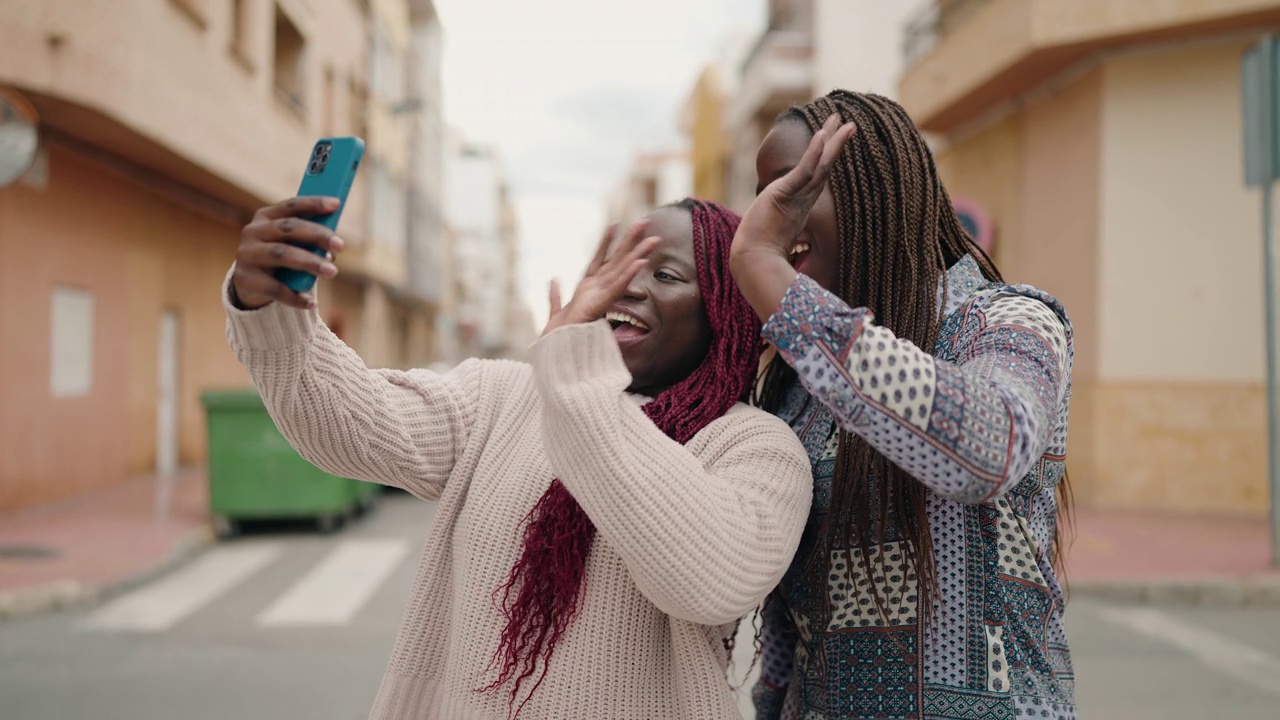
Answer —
982 422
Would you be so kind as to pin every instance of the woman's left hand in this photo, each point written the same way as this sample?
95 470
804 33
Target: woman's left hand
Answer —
606 279
776 217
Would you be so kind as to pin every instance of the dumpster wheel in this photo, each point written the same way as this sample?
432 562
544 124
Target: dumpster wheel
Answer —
224 527
329 522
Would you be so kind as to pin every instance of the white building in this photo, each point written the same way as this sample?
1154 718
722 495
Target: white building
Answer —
429 278
488 312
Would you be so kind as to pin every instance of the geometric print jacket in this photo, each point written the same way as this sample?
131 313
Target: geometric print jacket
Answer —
982 422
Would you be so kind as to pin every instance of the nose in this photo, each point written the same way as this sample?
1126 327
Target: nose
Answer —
637 289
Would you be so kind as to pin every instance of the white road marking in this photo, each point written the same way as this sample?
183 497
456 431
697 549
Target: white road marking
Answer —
1220 652
166 602
336 588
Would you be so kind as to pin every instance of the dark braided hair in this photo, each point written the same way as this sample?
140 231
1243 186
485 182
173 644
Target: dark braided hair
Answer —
898 236
540 596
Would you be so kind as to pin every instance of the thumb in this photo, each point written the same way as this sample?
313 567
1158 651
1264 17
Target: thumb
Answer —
555 296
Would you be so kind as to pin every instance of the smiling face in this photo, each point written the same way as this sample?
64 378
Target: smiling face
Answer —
817 249
660 322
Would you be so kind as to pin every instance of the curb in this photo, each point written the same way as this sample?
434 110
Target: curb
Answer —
1231 592
69 594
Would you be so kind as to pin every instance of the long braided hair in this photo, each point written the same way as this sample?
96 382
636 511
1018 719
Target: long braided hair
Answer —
541 594
898 235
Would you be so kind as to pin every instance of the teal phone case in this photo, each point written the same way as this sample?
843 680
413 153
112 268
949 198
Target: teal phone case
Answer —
330 172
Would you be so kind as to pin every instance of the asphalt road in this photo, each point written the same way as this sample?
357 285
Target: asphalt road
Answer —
289 624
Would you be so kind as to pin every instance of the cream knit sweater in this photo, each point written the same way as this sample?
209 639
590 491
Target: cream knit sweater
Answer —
690 538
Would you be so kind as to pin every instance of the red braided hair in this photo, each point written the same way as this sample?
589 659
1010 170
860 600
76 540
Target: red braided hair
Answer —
547 579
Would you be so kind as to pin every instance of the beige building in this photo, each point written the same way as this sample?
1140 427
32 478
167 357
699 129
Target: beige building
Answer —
1103 141
165 124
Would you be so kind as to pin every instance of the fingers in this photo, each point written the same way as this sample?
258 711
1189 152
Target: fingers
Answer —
280 236
602 250
295 230
271 255
832 145
299 207
256 287
623 267
624 253
556 307
810 174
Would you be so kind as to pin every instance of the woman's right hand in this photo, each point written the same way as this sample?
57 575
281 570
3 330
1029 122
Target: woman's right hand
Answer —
264 246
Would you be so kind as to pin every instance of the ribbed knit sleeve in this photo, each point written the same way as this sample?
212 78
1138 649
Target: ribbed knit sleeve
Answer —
704 538
404 429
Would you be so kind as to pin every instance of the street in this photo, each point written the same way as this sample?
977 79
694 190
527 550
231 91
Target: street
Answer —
291 624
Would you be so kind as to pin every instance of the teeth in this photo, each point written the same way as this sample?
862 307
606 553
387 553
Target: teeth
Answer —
619 317
801 247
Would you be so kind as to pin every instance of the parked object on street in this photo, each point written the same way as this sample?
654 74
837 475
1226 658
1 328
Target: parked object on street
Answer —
254 474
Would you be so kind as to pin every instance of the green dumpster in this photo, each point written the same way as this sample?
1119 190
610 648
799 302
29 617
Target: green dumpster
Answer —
254 473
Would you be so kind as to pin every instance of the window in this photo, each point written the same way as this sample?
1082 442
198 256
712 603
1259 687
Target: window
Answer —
71 343
386 69
290 57
242 32
388 198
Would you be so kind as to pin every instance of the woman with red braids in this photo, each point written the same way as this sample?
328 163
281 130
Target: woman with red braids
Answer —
606 513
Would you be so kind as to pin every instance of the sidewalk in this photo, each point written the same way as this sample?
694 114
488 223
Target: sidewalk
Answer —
1171 558
79 551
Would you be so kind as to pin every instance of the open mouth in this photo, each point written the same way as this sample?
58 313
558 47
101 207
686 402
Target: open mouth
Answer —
626 327
798 254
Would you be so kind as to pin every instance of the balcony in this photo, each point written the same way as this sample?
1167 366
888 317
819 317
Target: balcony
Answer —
964 57
777 73
180 91
935 20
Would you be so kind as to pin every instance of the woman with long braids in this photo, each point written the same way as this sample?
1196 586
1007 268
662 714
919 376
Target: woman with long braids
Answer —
932 399
606 513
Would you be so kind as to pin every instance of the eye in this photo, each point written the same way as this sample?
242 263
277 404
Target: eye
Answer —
665 276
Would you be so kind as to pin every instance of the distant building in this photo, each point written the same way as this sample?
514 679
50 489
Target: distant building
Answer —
487 310
704 120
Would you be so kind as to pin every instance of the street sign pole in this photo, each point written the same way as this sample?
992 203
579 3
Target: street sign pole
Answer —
1259 75
1273 377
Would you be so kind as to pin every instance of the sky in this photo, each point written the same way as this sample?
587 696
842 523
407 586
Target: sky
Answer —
568 91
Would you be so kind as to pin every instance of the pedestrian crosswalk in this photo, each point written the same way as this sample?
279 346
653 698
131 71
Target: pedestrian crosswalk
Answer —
338 586
163 604
329 594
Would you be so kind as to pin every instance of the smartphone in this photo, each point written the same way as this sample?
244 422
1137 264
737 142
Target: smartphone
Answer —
330 172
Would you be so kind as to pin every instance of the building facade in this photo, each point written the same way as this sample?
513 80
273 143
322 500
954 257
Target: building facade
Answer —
1102 143
165 124
486 308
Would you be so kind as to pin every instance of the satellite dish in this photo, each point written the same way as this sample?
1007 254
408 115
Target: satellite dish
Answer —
975 221
19 136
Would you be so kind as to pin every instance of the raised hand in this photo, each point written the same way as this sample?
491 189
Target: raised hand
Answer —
264 246
606 279
776 217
